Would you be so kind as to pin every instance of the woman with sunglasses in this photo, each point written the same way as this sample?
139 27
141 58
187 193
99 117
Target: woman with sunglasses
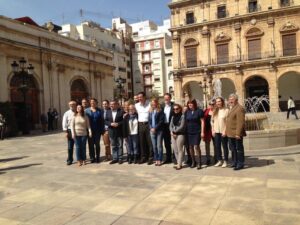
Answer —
194 125
177 129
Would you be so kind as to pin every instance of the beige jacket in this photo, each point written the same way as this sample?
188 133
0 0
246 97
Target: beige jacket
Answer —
218 122
235 123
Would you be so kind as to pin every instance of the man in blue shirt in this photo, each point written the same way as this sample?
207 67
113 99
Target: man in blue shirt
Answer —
95 116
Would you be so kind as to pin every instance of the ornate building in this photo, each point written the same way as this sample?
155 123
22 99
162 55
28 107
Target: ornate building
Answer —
252 46
64 69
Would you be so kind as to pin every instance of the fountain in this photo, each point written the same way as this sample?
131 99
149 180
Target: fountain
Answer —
265 130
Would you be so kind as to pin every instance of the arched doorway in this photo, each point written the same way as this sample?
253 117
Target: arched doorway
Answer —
192 90
32 101
228 87
257 87
289 85
78 90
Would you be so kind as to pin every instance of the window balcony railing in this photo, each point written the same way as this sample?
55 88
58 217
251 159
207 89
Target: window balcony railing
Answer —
146 61
286 3
191 20
147 72
244 58
253 8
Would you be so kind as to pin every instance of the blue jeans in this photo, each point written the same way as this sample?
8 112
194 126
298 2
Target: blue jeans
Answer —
237 148
117 147
94 145
219 143
133 143
70 147
80 142
156 139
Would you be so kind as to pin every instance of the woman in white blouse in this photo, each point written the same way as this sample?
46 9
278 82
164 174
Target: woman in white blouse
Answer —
218 131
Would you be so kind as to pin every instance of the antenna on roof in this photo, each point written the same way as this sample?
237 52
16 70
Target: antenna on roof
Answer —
81 14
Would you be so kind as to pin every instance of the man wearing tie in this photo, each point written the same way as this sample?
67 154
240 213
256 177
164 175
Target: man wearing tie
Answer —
114 122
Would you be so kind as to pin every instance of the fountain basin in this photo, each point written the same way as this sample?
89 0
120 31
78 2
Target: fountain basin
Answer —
256 121
272 138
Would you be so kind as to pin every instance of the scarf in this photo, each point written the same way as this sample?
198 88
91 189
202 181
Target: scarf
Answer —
176 119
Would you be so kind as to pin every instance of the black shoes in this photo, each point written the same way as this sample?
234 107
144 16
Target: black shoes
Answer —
98 160
120 161
238 168
113 161
93 160
69 163
142 161
199 166
150 162
193 165
135 160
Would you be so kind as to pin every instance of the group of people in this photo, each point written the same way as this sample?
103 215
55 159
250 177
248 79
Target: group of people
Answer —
144 126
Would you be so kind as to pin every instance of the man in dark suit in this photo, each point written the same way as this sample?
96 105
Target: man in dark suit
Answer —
114 122
167 108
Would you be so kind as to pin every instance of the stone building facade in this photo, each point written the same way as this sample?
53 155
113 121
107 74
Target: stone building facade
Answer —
252 46
64 69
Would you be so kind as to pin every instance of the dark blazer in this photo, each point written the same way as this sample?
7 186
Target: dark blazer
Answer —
97 123
115 132
159 120
172 110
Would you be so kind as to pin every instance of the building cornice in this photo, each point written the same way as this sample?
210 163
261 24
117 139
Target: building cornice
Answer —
238 18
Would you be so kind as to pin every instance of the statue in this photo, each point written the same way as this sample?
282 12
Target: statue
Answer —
217 88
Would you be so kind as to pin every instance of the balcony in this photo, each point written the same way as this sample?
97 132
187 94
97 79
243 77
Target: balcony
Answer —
189 21
286 3
253 8
262 56
144 61
147 72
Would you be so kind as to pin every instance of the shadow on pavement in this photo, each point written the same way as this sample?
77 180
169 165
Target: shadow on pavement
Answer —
13 159
19 167
251 162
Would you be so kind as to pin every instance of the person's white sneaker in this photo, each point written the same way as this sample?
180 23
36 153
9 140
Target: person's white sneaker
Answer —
224 164
219 163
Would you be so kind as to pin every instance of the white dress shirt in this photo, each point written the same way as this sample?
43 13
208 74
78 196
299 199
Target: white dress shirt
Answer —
67 119
114 114
167 111
143 111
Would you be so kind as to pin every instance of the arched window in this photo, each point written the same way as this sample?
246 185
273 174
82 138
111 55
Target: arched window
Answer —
190 47
254 43
170 62
78 90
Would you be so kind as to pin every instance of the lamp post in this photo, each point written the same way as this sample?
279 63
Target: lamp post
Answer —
120 86
24 72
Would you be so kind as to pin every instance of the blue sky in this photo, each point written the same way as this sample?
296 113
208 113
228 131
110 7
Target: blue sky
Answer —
100 11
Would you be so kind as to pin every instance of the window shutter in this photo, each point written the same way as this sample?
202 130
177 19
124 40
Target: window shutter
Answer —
222 53
191 57
289 44
254 49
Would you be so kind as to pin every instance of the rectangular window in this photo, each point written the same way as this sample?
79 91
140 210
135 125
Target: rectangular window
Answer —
222 53
289 44
191 57
285 3
252 6
221 11
157 43
190 19
254 49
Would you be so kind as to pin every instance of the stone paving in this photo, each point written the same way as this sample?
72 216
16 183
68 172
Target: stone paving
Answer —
36 187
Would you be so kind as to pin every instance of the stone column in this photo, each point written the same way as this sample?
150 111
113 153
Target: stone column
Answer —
4 90
206 45
178 92
176 50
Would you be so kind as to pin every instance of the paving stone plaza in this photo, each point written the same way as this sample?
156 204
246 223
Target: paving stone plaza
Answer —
36 187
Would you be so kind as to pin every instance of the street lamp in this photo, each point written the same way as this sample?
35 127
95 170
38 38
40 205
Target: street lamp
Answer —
120 86
24 72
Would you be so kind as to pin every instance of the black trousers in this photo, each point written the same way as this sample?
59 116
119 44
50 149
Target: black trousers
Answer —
237 148
2 132
145 141
167 142
294 112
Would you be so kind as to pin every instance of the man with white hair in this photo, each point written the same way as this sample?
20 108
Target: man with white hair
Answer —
235 131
